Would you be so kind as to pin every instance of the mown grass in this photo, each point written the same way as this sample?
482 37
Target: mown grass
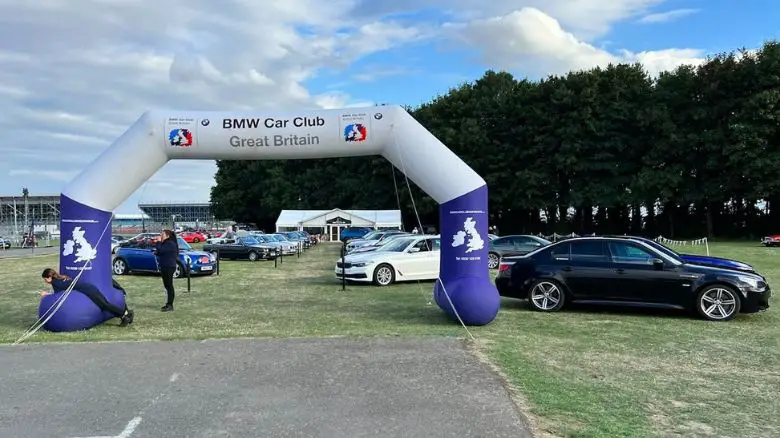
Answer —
584 372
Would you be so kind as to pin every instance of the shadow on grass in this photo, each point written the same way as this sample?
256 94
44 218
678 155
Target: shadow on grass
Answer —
602 309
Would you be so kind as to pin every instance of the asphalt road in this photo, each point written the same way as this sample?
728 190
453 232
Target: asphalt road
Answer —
252 388
27 252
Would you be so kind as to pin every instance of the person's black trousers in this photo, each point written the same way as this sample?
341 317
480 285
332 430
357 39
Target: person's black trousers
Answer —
167 278
103 303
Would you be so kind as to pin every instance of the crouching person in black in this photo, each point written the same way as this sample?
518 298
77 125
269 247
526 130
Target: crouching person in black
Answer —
167 252
61 283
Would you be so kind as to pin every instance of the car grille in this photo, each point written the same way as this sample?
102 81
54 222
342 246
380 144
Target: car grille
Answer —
344 266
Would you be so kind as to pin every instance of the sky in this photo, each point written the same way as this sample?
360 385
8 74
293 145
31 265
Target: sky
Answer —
74 75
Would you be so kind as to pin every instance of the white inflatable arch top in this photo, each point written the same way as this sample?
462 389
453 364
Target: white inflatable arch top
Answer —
464 288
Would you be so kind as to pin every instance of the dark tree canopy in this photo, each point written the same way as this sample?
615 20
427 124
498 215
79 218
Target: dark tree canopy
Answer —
693 152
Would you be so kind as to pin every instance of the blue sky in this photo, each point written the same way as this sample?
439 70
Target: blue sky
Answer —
75 75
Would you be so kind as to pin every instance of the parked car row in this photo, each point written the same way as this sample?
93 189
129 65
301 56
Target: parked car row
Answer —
617 270
136 254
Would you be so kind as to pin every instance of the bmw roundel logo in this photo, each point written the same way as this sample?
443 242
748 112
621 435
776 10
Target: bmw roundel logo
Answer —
378 116
205 122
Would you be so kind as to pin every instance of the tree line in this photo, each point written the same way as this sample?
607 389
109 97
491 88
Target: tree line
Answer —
692 152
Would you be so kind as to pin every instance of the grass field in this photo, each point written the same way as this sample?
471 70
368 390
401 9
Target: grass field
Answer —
582 373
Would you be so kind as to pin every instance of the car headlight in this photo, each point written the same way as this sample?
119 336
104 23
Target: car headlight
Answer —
753 282
361 264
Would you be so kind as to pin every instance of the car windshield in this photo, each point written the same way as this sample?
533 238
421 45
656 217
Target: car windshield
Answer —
372 235
541 240
280 237
249 241
183 244
663 248
397 245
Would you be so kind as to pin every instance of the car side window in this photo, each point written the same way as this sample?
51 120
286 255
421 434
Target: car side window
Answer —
436 244
588 251
423 245
527 242
502 241
560 252
624 252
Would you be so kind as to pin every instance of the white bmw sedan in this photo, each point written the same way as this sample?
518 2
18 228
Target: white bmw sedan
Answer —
402 259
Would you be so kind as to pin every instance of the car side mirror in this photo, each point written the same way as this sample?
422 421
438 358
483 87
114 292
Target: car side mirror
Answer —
411 250
658 264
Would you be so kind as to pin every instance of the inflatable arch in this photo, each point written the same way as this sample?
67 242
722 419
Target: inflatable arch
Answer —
159 136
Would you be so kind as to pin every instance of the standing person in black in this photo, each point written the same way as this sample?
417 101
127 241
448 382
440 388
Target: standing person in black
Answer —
167 252
61 283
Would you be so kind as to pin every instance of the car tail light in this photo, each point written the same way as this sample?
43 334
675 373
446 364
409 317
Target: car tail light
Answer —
503 267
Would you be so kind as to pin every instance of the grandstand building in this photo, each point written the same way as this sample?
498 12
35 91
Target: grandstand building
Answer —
184 214
19 213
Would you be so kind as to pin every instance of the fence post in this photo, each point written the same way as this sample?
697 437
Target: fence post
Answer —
343 267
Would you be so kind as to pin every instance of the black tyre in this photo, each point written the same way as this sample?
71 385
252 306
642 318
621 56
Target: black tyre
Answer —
179 272
384 275
718 302
493 260
119 267
546 295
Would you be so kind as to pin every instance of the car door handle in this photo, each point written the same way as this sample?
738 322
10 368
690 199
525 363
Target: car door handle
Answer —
566 269
619 271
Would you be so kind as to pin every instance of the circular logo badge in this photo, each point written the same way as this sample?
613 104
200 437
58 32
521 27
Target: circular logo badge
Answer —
378 116
205 122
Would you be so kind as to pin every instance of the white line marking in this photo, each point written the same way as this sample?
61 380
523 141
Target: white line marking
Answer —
129 429
174 377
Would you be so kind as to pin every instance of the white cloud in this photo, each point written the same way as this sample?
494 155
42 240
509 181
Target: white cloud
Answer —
535 43
75 75
663 17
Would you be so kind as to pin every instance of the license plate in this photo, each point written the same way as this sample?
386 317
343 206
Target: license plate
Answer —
206 268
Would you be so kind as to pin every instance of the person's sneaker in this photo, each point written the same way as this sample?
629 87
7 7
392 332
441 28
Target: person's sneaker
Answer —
130 315
167 308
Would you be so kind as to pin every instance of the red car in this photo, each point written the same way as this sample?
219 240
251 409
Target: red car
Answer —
193 236
773 240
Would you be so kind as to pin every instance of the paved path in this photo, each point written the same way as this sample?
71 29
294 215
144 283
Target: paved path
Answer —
26 252
252 388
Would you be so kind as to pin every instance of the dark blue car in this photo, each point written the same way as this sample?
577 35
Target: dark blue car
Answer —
716 262
138 257
354 233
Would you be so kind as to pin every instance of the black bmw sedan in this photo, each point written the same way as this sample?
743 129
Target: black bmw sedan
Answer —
604 270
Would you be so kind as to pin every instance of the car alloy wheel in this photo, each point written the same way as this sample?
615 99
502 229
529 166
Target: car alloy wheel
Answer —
718 303
119 267
546 296
383 275
493 260
177 272
252 256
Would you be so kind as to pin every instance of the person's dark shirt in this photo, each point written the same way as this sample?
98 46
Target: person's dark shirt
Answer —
83 286
167 253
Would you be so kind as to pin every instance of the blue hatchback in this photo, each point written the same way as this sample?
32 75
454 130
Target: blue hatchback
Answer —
138 257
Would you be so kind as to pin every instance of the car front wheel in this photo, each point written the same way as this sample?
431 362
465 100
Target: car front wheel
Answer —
384 275
119 267
252 256
718 303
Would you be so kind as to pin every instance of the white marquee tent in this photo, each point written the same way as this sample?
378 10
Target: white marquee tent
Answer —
331 222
